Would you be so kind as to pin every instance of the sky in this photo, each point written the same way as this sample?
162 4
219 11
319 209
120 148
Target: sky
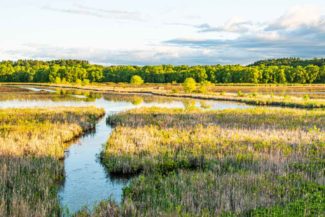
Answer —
151 32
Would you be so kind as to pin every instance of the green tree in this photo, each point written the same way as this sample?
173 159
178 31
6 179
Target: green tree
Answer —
189 85
136 80
199 73
300 75
282 76
321 77
312 73
291 70
252 75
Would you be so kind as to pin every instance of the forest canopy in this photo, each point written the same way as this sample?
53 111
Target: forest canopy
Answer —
290 62
286 70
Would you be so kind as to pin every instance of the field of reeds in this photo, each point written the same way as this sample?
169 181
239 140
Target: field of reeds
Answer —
236 162
20 93
32 142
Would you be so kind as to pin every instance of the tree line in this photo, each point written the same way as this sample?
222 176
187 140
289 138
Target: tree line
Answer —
290 62
77 71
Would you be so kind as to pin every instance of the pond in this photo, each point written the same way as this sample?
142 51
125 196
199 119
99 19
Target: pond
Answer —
86 180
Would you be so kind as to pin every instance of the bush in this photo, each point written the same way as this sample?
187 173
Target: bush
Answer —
189 85
64 81
136 80
57 80
78 82
240 94
204 87
85 82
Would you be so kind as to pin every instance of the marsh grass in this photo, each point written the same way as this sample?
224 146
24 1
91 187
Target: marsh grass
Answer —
21 93
236 162
153 138
31 143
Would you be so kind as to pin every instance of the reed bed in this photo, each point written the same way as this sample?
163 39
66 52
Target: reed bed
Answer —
31 143
21 93
255 99
236 162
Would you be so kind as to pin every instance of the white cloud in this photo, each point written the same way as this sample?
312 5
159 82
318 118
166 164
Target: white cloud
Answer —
298 33
297 17
235 24
98 12
154 55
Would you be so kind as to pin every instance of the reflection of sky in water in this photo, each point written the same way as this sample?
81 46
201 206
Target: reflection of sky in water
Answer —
38 89
86 181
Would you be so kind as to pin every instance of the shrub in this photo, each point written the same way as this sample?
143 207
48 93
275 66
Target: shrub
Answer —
136 80
57 80
78 82
306 97
240 94
189 85
204 87
85 82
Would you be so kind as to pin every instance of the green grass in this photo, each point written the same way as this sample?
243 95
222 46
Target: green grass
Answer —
210 194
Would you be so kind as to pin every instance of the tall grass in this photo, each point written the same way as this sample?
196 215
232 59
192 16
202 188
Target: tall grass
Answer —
245 162
16 93
31 143
148 139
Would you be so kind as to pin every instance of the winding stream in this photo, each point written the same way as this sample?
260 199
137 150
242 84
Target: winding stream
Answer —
86 181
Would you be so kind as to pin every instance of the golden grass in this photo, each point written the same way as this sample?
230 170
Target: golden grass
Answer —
31 143
235 162
43 132
150 137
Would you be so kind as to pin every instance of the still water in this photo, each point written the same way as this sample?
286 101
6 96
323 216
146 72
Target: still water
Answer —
86 180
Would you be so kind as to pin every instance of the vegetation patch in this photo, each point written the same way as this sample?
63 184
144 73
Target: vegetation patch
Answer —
236 162
31 143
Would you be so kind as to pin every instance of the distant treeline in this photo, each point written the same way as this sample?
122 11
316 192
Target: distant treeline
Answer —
269 71
290 62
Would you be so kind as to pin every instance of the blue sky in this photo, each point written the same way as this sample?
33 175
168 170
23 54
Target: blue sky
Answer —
160 32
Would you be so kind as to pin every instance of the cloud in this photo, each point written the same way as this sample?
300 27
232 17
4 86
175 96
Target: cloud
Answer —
99 13
236 25
258 45
150 56
298 33
297 17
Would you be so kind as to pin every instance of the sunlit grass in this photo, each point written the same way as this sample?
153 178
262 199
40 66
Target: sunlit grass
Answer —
246 162
150 138
31 143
